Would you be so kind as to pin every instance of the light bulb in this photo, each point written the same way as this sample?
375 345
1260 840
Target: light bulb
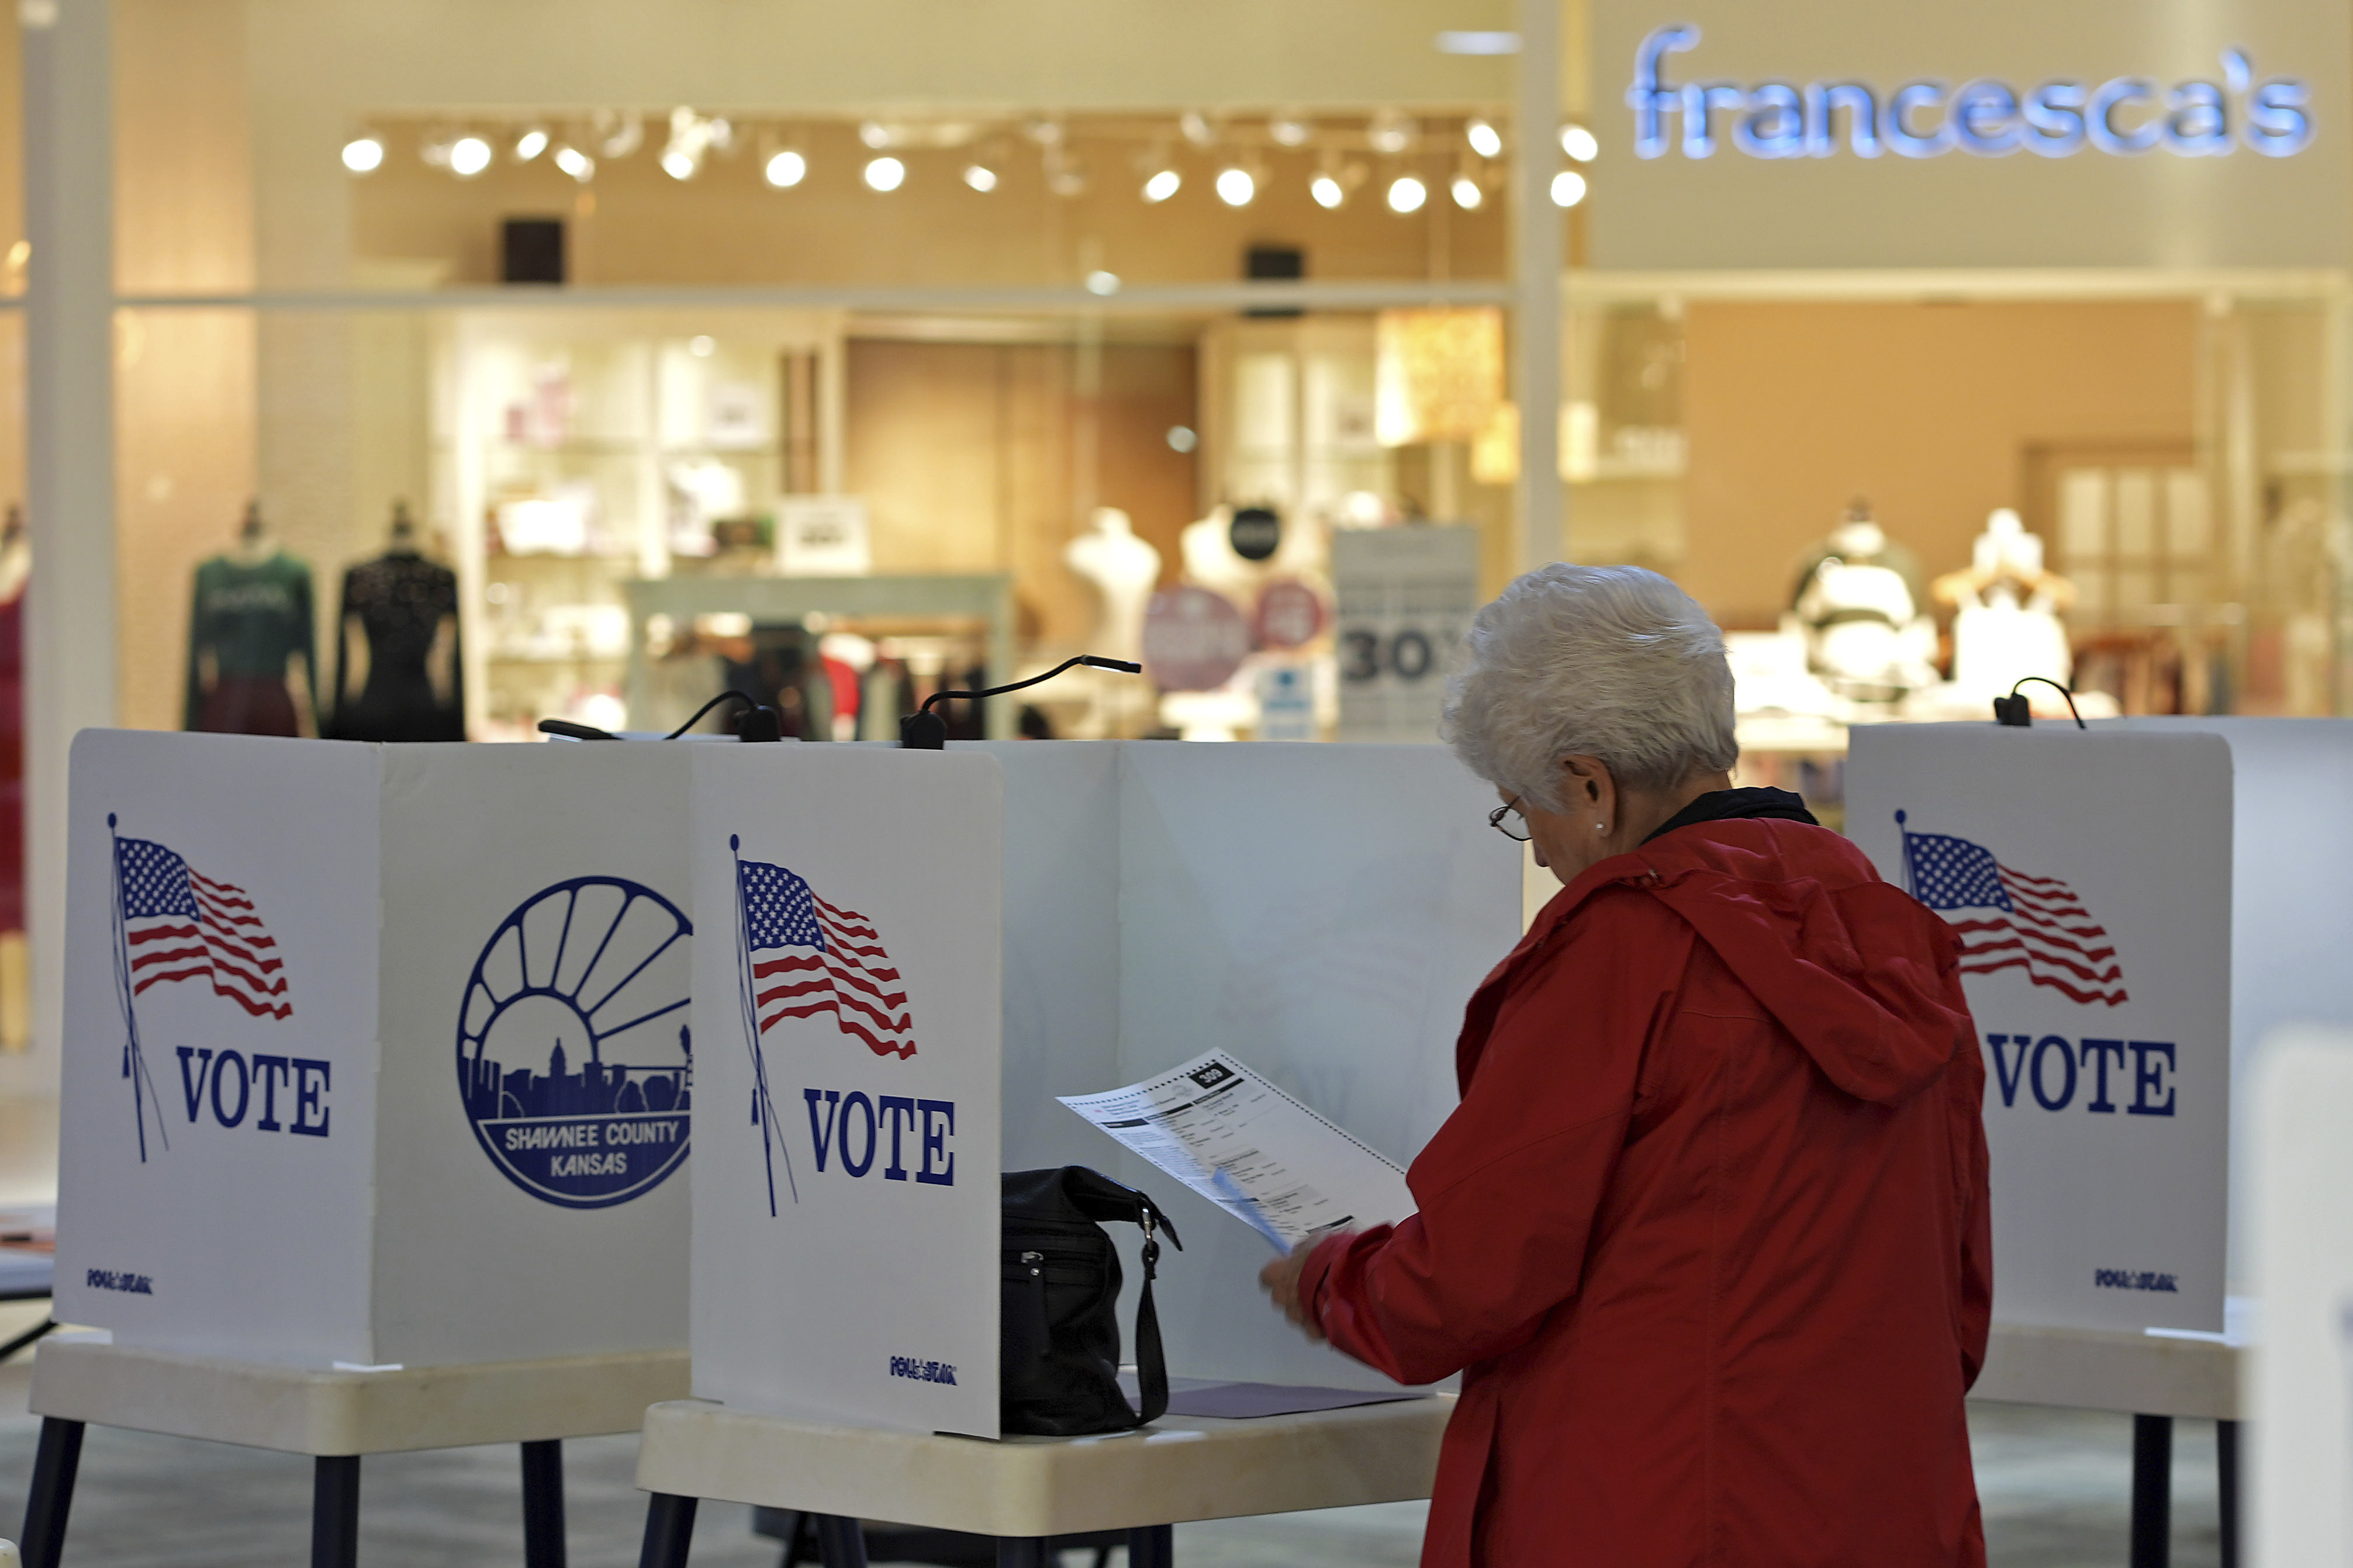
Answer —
980 177
469 156
678 163
1467 194
1235 187
363 154
576 162
1485 139
1290 129
1326 191
1407 192
1390 132
530 145
1568 188
785 168
1165 184
1579 144
874 133
885 173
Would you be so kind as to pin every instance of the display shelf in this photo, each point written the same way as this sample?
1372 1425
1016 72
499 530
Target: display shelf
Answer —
984 600
659 422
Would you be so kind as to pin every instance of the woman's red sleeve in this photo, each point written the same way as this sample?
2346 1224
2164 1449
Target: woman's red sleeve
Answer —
1508 1188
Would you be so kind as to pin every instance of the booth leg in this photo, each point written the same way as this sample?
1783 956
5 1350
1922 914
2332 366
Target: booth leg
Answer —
2226 1462
670 1530
840 1541
2152 1500
1152 1546
54 1463
336 1510
543 1503
1023 1551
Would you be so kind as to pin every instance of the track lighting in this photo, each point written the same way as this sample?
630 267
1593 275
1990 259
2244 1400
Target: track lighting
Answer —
1165 183
575 162
1568 188
980 177
1290 129
363 154
1327 190
1485 139
1236 186
1407 192
469 156
885 173
530 145
785 168
1466 191
1579 144
1390 132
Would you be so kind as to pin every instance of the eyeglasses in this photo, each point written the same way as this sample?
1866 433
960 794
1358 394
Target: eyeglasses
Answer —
1495 820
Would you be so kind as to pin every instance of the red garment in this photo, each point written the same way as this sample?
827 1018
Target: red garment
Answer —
1707 1236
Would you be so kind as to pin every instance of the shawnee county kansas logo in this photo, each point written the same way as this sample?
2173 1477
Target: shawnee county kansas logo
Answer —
173 923
2012 920
573 1051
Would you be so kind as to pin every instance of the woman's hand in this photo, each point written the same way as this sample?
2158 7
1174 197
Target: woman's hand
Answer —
1280 1279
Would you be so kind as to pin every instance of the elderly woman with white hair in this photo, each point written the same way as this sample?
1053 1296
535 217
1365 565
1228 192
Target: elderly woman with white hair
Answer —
1707 1235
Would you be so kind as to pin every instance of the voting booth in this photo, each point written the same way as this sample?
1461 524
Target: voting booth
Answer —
377 1056
2301 1249
924 942
2137 905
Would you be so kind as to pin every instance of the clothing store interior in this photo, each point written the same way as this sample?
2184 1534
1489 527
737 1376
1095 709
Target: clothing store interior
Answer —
1235 432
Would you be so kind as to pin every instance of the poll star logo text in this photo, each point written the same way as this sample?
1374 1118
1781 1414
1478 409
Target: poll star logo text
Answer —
2124 116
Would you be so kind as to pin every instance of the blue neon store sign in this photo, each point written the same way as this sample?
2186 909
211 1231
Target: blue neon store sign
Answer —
2124 115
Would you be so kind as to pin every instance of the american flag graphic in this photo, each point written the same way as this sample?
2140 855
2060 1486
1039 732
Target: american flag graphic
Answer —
2035 923
180 925
807 957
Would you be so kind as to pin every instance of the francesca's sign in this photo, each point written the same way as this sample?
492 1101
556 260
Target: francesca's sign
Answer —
2123 115
1830 135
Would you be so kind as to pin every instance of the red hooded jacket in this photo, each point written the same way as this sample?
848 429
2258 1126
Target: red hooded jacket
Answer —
1707 1236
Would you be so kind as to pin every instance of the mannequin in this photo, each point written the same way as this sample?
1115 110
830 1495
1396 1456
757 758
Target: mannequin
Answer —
2006 624
1124 570
400 616
251 616
1858 605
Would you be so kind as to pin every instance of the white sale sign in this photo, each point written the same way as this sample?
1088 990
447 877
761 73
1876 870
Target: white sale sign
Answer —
2089 878
845 1193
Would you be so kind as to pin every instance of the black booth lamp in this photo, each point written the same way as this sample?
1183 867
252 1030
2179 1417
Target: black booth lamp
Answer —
924 730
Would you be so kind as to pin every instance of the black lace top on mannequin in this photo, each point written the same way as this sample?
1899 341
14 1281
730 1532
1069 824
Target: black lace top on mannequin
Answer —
407 608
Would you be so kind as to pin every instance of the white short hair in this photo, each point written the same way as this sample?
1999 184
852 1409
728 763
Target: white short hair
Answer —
1612 662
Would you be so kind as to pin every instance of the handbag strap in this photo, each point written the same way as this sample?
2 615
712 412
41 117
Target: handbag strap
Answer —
1151 1367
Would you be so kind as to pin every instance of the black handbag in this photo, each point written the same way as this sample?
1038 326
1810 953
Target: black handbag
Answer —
1058 1374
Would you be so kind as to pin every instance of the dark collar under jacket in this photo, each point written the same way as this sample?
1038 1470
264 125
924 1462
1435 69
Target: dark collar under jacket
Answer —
1732 805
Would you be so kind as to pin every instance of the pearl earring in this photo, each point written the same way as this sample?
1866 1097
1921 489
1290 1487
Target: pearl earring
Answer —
1600 828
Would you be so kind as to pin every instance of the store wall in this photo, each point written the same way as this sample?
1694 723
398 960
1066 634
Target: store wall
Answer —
1793 409
989 457
185 385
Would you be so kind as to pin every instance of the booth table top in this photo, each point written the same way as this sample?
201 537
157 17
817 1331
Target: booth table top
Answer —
1182 1468
2084 1369
302 1410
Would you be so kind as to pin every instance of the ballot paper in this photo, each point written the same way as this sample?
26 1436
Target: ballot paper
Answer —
1253 1150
